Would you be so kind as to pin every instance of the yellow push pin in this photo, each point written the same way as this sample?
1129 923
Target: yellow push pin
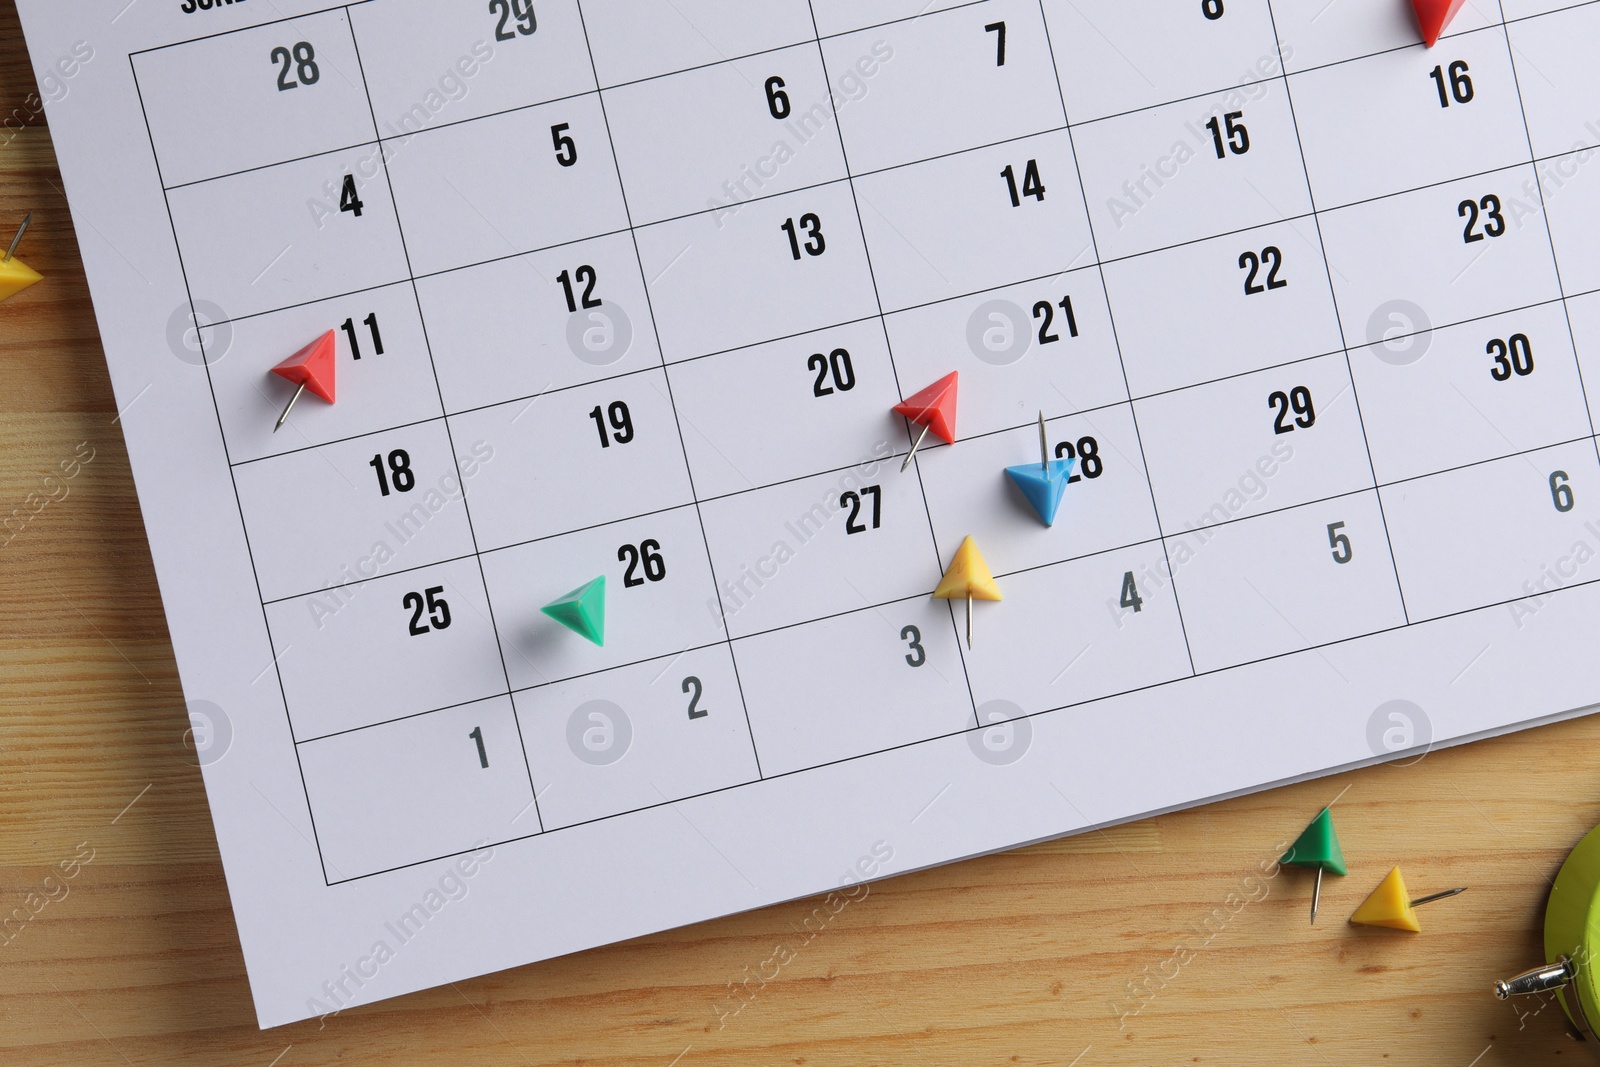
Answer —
16 275
1390 905
968 579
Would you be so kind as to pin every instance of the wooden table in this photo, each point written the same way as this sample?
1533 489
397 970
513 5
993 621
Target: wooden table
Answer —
1032 957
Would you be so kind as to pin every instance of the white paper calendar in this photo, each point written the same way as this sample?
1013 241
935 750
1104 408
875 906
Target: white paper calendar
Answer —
629 288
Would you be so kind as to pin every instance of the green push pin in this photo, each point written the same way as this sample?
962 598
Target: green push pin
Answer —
1317 846
583 611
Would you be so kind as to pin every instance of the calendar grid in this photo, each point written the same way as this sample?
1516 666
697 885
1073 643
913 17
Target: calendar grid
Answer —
1333 295
216 412
888 343
1133 412
883 315
1555 258
671 398
449 436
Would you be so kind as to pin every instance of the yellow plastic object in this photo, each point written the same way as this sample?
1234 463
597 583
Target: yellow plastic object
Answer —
968 577
1388 905
16 276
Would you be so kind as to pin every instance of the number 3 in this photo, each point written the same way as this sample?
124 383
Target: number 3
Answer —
913 638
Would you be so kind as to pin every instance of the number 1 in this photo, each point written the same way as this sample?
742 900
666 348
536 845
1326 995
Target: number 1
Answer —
477 735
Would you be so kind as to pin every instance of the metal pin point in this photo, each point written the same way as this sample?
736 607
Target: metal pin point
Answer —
1437 896
1044 447
282 418
1538 980
15 241
969 622
914 448
1316 897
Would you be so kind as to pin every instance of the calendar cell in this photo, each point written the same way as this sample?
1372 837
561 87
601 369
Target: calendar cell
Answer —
1116 57
1223 306
355 509
757 271
296 85
1454 554
820 546
384 376
417 789
760 126
1477 391
841 16
1275 583
937 84
787 409
1407 125
1322 33
507 330
455 215
1256 443
1458 251
1559 81
974 221
1075 631
427 65
358 653
270 238
1572 203
635 737
606 451
1045 344
660 598
905 684
637 39
1193 169
1107 504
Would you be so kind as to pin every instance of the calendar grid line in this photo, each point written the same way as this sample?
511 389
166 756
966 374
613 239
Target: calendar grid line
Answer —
677 421
245 29
1333 295
888 344
466 506
1368 635
1122 365
222 440
1544 214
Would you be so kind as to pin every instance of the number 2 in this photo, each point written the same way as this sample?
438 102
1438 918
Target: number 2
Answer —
696 689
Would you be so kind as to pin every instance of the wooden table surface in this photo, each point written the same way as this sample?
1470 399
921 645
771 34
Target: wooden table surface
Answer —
1123 946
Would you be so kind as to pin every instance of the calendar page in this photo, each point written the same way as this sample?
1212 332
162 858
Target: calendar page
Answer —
629 289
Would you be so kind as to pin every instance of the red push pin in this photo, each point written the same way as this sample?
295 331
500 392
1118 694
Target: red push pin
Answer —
310 368
1433 16
933 409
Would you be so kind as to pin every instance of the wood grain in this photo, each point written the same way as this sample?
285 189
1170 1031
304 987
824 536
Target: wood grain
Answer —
1023 958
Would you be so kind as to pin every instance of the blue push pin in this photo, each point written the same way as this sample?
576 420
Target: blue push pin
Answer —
1046 484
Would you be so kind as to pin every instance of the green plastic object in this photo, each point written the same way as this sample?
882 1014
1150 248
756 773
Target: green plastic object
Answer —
1572 929
583 611
1317 846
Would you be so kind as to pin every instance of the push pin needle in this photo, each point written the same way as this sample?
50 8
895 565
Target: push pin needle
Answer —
288 408
913 453
17 240
1437 896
